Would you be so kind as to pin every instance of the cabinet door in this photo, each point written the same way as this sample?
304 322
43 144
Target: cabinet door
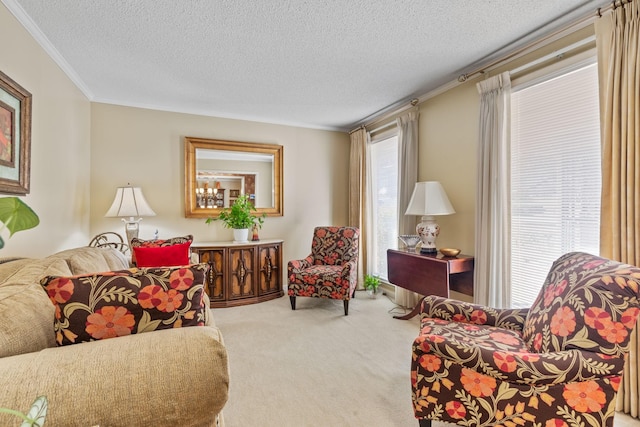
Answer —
269 276
242 273
215 277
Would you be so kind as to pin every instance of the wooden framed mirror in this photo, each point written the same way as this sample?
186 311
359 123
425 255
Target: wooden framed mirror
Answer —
217 172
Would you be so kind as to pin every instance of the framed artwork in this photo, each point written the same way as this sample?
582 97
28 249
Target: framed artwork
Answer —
15 137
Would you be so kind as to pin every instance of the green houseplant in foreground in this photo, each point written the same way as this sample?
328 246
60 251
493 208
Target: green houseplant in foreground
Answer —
16 216
36 415
240 216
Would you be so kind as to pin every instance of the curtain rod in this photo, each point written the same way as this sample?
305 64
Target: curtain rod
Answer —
580 23
614 5
356 129
386 113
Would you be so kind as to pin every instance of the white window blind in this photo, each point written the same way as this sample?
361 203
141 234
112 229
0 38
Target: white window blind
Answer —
556 176
384 176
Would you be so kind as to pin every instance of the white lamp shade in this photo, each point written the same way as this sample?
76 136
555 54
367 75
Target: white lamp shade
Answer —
429 198
129 202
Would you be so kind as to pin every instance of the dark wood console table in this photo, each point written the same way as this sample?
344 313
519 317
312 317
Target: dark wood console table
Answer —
242 273
429 274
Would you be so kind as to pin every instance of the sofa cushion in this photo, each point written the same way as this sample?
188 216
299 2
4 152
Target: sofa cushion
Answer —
162 256
26 315
117 303
88 259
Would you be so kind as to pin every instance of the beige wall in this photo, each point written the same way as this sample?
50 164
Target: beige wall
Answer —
447 153
145 148
59 146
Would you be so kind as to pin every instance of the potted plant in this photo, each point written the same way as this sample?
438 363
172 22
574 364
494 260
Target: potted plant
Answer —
240 217
371 284
16 216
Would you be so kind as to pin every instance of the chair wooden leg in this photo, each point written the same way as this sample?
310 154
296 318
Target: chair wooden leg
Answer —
346 307
293 302
424 422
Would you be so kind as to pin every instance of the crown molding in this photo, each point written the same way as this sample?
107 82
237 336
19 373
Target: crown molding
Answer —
18 12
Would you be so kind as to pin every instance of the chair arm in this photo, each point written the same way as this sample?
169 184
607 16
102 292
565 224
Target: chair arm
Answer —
560 367
532 369
460 311
295 266
348 268
350 273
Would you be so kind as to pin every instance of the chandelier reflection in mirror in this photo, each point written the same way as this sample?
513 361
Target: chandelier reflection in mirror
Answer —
206 195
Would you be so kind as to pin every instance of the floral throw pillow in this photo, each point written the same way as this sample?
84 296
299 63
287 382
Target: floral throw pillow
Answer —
117 303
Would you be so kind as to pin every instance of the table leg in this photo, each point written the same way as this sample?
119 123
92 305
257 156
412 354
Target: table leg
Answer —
412 313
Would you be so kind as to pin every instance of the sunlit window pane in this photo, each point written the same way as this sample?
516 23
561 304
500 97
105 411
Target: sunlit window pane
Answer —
555 176
384 164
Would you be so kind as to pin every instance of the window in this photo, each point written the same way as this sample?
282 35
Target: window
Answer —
384 203
555 174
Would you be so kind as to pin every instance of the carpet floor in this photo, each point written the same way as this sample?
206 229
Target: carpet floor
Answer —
316 367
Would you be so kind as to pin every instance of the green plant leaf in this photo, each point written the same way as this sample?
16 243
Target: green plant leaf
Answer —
37 414
371 282
17 215
239 215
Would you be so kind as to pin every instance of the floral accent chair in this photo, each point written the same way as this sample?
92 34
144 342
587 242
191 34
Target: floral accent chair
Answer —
557 364
331 270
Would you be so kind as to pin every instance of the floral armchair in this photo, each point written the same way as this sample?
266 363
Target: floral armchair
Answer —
331 270
557 364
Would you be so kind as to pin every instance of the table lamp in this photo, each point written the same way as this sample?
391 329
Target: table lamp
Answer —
129 202
429 199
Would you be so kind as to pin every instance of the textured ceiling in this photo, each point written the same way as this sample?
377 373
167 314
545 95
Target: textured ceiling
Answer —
324 64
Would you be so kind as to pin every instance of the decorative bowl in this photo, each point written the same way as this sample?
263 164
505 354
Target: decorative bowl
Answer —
449 251
410 241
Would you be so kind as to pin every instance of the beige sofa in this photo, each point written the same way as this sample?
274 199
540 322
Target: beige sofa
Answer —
171 377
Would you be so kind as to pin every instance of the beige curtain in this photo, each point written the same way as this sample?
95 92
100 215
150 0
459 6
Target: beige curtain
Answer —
357 193
493 200
617 38
408 176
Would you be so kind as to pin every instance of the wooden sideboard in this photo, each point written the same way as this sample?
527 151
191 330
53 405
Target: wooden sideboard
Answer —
430 274
241 273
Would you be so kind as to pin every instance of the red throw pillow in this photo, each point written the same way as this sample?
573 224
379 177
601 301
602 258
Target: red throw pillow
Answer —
117 303
135 242
162 256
